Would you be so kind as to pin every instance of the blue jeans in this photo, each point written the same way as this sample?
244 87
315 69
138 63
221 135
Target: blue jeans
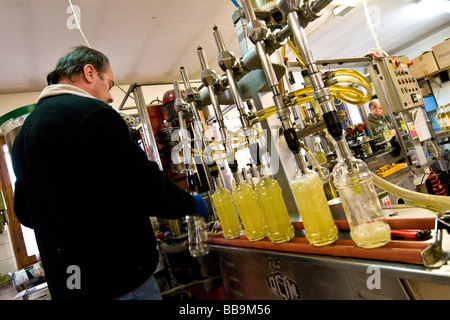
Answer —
149 290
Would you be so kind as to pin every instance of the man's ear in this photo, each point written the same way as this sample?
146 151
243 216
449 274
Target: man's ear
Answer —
88 73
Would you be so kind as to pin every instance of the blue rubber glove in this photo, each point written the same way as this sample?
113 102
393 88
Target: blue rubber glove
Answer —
201 208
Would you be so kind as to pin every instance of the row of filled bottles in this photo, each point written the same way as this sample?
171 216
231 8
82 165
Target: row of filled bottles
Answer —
443 116
261 211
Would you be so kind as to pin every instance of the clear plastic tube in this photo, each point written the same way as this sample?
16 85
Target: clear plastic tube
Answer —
440 202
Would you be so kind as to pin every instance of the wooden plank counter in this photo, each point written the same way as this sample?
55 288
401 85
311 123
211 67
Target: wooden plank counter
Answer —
407 251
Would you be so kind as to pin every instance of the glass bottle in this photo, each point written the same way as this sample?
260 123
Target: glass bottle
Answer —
362 208
244 198
366 145
308 191
321 157
223 203
439 118
446 117
270 198
197 236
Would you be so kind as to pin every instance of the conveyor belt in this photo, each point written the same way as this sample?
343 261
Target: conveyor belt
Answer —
395 250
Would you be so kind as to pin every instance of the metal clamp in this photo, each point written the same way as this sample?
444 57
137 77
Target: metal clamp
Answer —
433 256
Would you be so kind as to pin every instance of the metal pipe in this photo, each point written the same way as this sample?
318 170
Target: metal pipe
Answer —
178 105
283 113
318 126
227 65
197 129
143 84
209 78
319 5
227 61
321 92
149 138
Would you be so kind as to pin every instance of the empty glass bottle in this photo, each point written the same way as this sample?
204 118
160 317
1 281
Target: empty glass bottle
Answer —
353 181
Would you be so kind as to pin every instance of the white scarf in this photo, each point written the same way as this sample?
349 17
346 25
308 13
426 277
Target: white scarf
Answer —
58 89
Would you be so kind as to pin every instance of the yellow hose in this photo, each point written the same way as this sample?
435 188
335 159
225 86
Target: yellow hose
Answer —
360 80
295 52
344 93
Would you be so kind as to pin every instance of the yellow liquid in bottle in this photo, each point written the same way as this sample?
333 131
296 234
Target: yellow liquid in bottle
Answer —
321 157
279 226
439 117
361 205
446 115
244 198
371 235
228 217
320 229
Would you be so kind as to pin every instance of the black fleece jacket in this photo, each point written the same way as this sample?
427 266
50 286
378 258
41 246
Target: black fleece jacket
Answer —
88 190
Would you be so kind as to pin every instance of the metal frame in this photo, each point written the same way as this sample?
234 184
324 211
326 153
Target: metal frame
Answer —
148 137
310 277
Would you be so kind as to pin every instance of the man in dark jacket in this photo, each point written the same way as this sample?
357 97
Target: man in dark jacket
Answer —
87 189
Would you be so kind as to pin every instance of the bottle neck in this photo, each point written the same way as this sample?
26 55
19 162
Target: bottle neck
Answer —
218 183
300 161
237 177
343 151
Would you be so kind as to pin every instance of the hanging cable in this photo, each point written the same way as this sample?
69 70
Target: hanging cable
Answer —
87 42
369 22
78 24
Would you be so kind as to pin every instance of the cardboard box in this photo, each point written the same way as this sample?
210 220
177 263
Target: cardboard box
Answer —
424 65
442 54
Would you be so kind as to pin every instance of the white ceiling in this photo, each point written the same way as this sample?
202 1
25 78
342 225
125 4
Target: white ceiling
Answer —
149 40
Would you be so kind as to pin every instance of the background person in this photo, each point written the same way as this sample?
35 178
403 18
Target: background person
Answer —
378 122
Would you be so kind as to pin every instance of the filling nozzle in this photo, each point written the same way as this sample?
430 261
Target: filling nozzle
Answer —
343 149
257 35
300 160
227 62
192 96
217 182
179 103
321 92
236 174
191 178
209 79
179 106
